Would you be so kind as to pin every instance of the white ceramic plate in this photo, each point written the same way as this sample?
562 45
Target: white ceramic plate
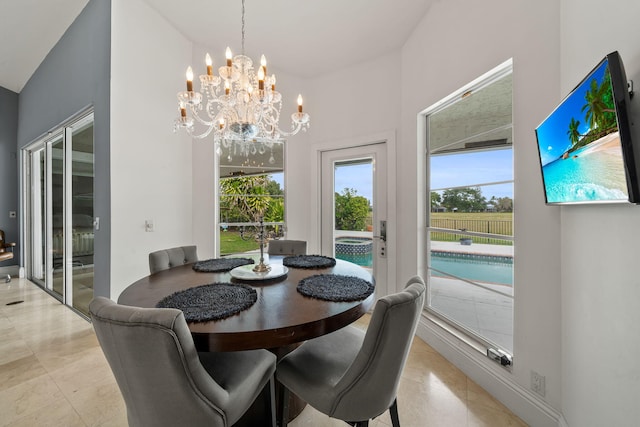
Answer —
245 272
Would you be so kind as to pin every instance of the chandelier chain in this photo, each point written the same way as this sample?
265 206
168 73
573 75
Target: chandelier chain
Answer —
242 40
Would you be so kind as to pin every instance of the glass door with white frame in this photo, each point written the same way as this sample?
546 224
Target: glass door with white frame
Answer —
354 202
80 204
46 225
59 206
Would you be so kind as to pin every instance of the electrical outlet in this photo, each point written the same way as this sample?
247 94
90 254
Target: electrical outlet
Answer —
537 383
148 226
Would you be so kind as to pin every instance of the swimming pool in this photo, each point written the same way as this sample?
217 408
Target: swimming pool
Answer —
363 260
358 250
478 268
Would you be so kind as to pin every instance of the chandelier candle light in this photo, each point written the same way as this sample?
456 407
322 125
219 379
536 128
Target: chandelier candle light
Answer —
240 106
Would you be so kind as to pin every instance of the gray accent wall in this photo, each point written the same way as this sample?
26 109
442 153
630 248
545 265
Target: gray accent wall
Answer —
9 169
75 75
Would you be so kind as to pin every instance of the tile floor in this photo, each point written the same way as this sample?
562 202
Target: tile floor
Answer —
53 373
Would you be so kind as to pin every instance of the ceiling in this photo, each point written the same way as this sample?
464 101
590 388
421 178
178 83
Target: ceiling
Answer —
303 38
28 31
480 118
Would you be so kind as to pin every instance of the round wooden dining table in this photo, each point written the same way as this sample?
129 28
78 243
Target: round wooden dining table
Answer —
280 318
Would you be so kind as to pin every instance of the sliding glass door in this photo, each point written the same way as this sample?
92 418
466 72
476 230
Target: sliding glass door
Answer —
80 204
59 206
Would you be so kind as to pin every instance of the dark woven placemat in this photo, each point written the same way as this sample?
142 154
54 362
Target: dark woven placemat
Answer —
333 287
309 261
220 264
211 302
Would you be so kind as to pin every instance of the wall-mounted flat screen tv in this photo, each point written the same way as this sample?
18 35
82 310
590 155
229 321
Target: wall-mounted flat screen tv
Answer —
586 146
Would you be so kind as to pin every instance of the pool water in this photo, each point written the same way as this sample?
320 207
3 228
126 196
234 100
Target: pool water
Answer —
357 250
363 260
479 268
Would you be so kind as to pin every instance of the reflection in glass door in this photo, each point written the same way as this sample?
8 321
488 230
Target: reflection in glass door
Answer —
37 162
59 177
81 208
56 207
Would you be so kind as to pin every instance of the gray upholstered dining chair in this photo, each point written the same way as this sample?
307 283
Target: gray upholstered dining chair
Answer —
173 257
352 375
287 247
165 381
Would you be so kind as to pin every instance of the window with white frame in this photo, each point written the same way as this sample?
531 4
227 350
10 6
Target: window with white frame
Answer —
251 190
470 217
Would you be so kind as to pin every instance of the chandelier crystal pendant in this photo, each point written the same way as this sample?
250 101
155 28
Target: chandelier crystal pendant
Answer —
240 106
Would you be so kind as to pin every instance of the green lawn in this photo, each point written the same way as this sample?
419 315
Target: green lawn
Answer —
231 243
500 223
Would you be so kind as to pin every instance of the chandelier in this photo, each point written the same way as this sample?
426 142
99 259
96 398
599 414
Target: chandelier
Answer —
240 106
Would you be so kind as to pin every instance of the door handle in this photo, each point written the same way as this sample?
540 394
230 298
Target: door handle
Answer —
383 231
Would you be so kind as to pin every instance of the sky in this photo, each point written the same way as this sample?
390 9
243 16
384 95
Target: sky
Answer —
453 170
553 139
358 177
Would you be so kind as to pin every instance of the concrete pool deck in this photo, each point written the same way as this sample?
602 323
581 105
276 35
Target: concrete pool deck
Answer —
487 313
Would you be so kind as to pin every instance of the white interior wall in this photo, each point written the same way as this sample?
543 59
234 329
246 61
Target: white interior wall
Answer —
446 51
297 177
204 198
357 100
203 172
351 106
600 282
150 165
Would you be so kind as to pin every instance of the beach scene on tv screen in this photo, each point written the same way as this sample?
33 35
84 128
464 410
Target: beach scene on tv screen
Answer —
579 145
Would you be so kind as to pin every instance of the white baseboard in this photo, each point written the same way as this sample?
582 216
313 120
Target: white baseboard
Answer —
498 382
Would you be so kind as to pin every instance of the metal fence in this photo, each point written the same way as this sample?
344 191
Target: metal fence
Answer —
504 228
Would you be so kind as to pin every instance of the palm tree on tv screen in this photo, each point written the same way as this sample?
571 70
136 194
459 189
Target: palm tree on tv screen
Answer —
599 100
574 134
